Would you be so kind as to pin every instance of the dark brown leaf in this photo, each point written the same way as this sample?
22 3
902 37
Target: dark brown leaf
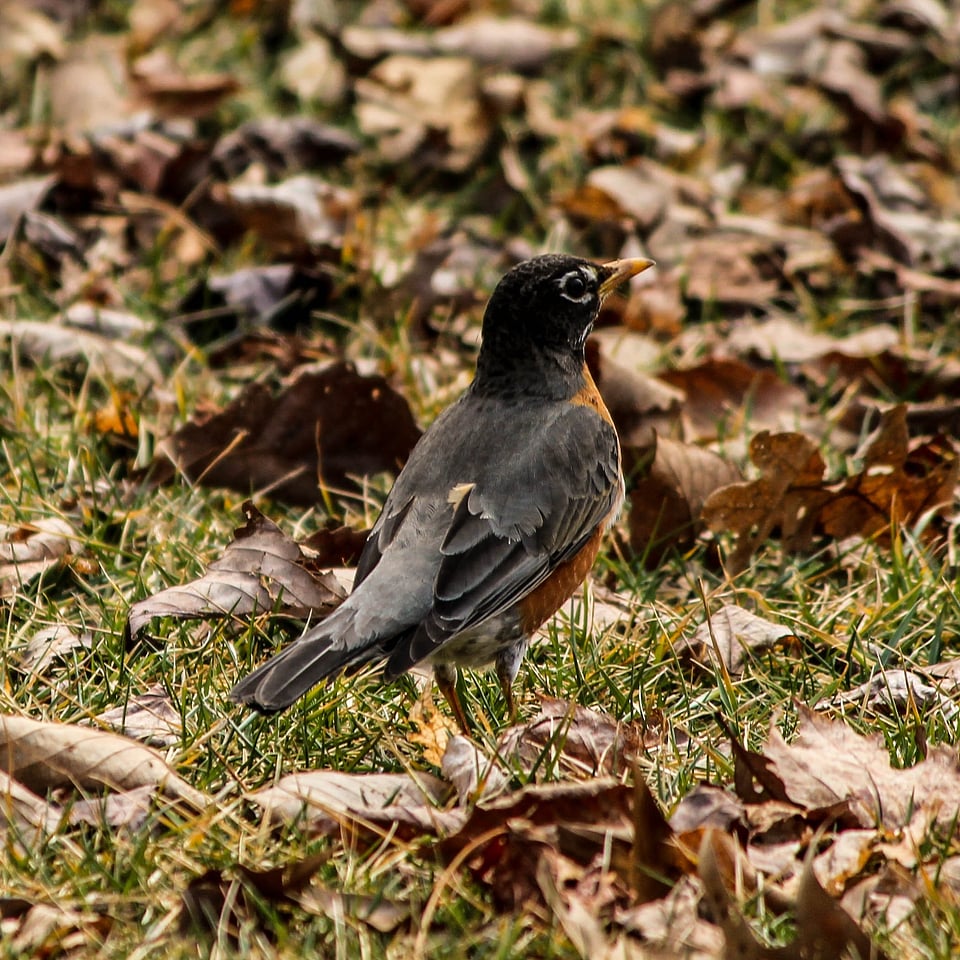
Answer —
332 422
667 497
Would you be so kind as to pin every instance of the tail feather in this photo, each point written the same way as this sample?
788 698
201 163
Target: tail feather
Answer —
276 684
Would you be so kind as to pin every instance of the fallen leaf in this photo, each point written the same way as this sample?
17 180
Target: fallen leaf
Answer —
105 358
901 692
262 570
47 756
332 421
573 739
668 494
513 43
723 397
424 113
283 145
474 775
729 634
897 486
787 496
824 928
300 217
28 551
328 801
149 717
22 810
50 646
828 763
170 92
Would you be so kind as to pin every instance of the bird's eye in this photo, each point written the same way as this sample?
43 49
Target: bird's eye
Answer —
574 286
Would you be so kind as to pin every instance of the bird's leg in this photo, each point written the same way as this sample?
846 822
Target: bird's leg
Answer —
507 667
446 677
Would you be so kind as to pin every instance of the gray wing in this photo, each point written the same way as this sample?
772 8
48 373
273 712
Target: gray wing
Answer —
523 516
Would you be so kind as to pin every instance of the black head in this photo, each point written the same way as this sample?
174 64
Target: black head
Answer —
546 307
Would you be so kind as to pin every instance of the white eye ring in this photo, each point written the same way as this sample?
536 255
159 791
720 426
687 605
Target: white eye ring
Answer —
575 286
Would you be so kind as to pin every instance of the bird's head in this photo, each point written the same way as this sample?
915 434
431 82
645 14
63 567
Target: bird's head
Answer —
552 302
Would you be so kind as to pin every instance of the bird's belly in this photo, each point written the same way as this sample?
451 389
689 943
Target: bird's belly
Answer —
480 645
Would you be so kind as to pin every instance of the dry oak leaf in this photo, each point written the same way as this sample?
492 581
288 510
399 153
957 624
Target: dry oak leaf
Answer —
829 763
48 756
787 496
588 822
729 634
332 422
666 501
261 570
897 485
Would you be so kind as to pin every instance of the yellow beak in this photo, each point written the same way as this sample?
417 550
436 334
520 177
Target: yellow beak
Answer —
617 271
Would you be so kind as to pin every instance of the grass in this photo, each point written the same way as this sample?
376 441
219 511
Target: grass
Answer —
854 609
894 607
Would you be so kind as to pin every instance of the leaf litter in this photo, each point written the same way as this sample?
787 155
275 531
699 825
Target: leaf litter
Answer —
282 224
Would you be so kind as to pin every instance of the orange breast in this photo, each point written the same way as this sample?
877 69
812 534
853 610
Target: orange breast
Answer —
589 396
551 595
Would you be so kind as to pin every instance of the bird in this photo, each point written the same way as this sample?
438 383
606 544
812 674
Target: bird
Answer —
498 514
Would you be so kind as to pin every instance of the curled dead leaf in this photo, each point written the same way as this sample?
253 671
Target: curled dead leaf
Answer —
261 570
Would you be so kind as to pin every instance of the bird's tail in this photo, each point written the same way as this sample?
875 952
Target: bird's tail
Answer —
316 656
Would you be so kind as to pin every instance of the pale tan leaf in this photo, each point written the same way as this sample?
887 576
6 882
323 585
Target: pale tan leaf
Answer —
48 756
328 800
729 634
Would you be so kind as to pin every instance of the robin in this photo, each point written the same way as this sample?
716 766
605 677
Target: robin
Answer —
498 514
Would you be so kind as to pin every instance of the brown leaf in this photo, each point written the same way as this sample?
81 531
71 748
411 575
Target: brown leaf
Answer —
724 395
900 692
729 634
512 43
589 822
19 196
217 902
897 486
716 855
667 499
474 775
332 421
328 801
171 93
47 756
824 928
298 217
573 739
638 402
336 546
49 929
48 647
22 810
261 570
104 357
787 496
424 112
828 763
283 145
674 925
375 911
708 806
150 717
